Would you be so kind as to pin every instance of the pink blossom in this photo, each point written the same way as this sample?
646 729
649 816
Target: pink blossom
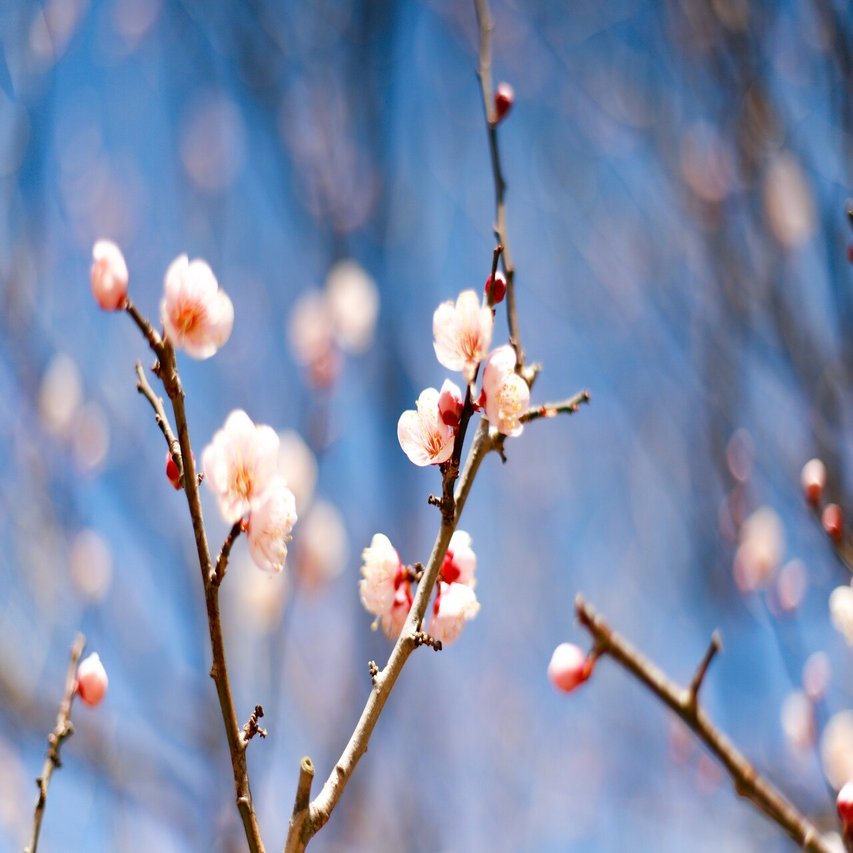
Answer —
197 316
92 679
813 480
393 620
450 404
504 98
424 437
460 561
270 522
569 667
455 605
380 571
506 396
762 543
108 275
462 333
240 463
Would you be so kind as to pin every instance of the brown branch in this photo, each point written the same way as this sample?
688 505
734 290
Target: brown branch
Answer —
253 727
218 573
149 332
748 782
169 376
144 388
484 74
309 818
61 731
550 410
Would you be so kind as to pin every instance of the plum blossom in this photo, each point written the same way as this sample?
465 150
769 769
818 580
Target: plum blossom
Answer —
455 604
463 333
505 396
762 543
569 667
240 463
270 523
108 275
380 569
197 316
460 561
424 437
450 404
393 620
841 611
92 679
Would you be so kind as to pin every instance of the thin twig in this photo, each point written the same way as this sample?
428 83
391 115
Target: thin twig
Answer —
701 671
61 731
149 332
550 410
484 74
144 388
253 727
748 782
218 573
169 376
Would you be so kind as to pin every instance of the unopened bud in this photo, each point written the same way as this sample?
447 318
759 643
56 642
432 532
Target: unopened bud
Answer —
504 97
844 804
92 679
109 276
833 522
495 289
569 667
450 404
173 474
813 480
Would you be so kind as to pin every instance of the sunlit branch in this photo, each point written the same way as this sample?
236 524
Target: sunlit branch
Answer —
748 782
62 730
550 410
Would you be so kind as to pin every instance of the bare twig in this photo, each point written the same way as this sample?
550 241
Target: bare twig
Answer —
252 727
210 576
221 567
748 782
149 332
61 731
551 410
484 74
144 388
696 684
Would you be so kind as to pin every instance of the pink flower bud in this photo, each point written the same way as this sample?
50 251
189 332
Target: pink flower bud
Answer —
173 475
109 276
569 667
92 679
833 522
450 404
844 804
504 97
813 480
495 289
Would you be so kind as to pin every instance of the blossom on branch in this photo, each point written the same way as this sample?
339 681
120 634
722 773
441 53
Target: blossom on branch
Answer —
92 679
240 463
422 434
505 395
569 667
463 333
270 524
455 604
109 275
460 561
450 404
384 588
197 316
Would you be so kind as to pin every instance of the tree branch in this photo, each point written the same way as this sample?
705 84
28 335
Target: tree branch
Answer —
550 410
748 782
61 731
144 388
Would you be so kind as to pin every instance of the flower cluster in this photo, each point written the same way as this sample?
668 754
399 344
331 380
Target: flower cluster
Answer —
241 467
386 588
462 333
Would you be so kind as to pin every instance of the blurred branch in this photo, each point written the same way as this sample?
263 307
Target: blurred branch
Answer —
61 731
167 371
748 782
551 410
484 74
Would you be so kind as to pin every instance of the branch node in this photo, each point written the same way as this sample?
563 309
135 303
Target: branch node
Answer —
251 728
434 500
373 669
421 638
714 646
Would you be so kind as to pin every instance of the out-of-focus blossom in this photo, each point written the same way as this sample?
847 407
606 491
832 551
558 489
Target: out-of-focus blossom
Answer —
797 717
463 333
270 523
393 620
813 480
296 463
353 301
833 522
455 605
323 545
197 316
788 201
259 597
450 404
109 275
761 545
424 437
836 749
841 611
240 463
791 584
505 396
310 328
60 395
460 561
816 675
92 679
380 571
90 563
90 437
569 667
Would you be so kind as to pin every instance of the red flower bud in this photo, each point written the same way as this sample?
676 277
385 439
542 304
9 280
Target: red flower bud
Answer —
833 522
813 480
504 96
495 289
844 804
569 667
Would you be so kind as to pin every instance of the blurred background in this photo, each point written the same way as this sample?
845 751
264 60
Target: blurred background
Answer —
678 173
